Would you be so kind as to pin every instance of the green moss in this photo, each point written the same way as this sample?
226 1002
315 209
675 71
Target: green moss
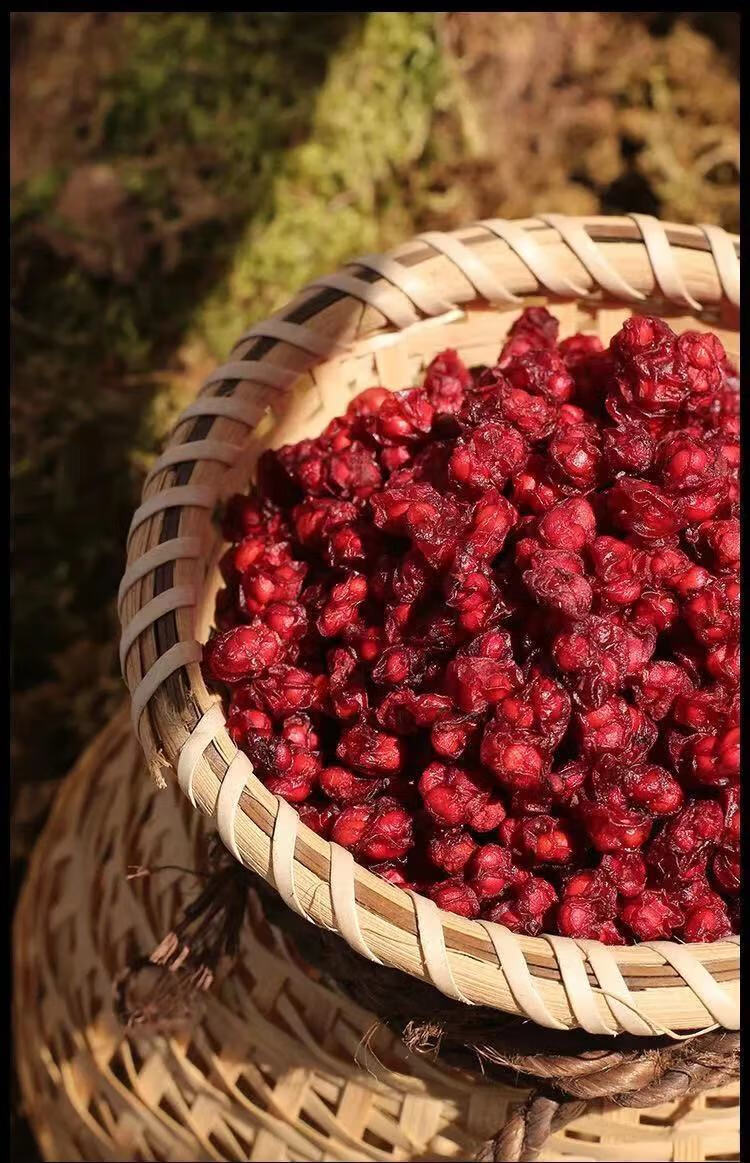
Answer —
338 193
203 107
36 196
233 86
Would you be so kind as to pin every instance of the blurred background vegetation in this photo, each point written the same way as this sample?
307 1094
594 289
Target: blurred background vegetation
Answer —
176 176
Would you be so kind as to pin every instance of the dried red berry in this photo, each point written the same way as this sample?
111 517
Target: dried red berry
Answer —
626 870
451 849
491 871
642 508
341 608
405 712
477 683
451 737
241 653
533 416
534 330
681 849
613 829
533 489
542 839
403 418
558 587
569 524
445 383
614 728
576 455
284 690
584 918
455 796
456 896
702 357
528 908
710 616
648 368
720 541
619 570
343 786
542 373
375 832
652 915
490 457
658 686
628 447
369 750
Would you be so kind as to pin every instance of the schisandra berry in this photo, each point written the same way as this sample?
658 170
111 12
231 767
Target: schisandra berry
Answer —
405 712
559 588
702 357
242 653
527 908
652 915
637 506
626 871
628 447
705 923
491 871
342 785
446 382
576 455
456 896
375 832
659 687
369 750
720 543
581 918
284 690
453 736
451 849
542 373
475 684
484 632
489 458
614 829
543 839
615 728
568 524
455 796
517 760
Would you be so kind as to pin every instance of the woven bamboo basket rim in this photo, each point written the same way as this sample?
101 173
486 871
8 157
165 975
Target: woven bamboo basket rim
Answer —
274 1064
379 320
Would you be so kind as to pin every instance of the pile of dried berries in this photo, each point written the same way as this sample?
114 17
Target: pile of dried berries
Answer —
484 633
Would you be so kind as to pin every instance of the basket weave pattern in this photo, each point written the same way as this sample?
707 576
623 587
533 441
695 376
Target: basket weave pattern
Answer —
379 322
278 1067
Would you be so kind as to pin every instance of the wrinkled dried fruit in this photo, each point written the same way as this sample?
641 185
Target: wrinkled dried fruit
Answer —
484 632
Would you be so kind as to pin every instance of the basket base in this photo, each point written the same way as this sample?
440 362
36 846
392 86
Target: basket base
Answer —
275 1066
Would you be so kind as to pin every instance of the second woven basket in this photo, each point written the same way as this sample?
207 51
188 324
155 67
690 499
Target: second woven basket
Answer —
276 1066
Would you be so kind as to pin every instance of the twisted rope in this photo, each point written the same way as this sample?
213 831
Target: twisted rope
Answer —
573 1086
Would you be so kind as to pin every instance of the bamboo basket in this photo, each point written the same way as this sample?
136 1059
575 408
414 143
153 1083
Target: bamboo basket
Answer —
277 1066
379 321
